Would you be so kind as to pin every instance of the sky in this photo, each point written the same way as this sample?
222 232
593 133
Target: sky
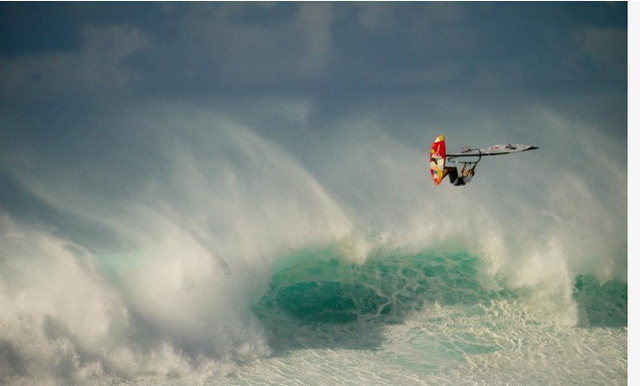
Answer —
335 54
453 66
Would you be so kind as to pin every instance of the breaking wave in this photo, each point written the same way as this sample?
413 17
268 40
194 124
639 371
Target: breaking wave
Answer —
216 247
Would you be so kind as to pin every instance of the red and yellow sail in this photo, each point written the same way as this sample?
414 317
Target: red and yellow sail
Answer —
437 159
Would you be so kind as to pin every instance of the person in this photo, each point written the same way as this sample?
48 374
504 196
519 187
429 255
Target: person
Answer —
460 178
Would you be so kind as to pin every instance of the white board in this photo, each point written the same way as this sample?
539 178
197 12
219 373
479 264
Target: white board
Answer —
493 150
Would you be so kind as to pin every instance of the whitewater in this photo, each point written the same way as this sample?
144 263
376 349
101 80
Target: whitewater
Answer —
194 247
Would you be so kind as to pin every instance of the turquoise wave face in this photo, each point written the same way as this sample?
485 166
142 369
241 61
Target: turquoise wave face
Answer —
601 304
319 286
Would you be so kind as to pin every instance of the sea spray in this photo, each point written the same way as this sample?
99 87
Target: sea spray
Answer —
224 249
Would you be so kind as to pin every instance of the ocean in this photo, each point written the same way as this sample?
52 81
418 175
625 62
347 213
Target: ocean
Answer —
192 248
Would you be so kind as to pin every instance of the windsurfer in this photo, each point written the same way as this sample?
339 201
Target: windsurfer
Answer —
460 178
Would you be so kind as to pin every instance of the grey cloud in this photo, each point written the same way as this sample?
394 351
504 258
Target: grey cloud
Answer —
317 49
605 46
99 66
315 23
375 18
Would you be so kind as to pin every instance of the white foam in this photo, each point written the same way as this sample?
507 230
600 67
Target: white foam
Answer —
221 203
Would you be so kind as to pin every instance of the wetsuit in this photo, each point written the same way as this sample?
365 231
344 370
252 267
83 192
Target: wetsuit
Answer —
455 178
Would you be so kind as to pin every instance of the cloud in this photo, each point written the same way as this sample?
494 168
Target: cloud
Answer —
100 67
375 17
604 46
314 20
225 50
